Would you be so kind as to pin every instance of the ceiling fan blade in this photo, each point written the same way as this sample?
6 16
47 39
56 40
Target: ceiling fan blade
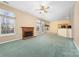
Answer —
47 8
45 11
43 8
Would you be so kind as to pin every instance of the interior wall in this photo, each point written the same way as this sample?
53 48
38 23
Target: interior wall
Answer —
22 20
76 23
54 25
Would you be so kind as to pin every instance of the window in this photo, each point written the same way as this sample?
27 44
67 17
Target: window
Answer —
7 22
40 26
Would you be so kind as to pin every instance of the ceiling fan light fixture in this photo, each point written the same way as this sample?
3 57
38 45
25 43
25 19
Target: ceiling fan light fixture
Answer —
44 8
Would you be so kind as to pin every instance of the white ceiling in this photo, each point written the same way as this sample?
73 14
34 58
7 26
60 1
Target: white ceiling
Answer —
57 10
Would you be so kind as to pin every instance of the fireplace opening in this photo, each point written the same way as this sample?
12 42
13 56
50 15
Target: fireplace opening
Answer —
27 32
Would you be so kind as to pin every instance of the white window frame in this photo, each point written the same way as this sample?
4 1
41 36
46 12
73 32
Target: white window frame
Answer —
8 34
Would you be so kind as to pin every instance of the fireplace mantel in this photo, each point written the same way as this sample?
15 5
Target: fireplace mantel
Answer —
27 32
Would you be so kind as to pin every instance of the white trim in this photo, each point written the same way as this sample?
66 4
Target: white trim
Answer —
9 41
7 34
76 45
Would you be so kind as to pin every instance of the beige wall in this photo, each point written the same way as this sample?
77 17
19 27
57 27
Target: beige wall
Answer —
22 20
76 24
54 25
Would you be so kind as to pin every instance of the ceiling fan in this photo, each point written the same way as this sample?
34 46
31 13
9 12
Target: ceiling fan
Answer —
44 8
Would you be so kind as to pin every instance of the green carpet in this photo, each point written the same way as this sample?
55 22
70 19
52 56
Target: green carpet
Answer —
47 45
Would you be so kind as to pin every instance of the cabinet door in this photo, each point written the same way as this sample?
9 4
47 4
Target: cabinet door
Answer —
70 33
62 32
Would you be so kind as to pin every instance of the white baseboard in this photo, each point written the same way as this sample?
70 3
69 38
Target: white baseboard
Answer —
76 45
9 41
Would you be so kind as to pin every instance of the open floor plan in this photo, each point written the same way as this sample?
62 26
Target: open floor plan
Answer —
39 29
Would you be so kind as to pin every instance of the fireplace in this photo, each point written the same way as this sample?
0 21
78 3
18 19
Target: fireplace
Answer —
27 32
30 33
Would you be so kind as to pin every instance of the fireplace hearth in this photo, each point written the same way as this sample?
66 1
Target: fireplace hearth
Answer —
27 32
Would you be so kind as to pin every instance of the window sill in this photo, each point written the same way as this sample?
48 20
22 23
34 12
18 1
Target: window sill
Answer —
7 34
